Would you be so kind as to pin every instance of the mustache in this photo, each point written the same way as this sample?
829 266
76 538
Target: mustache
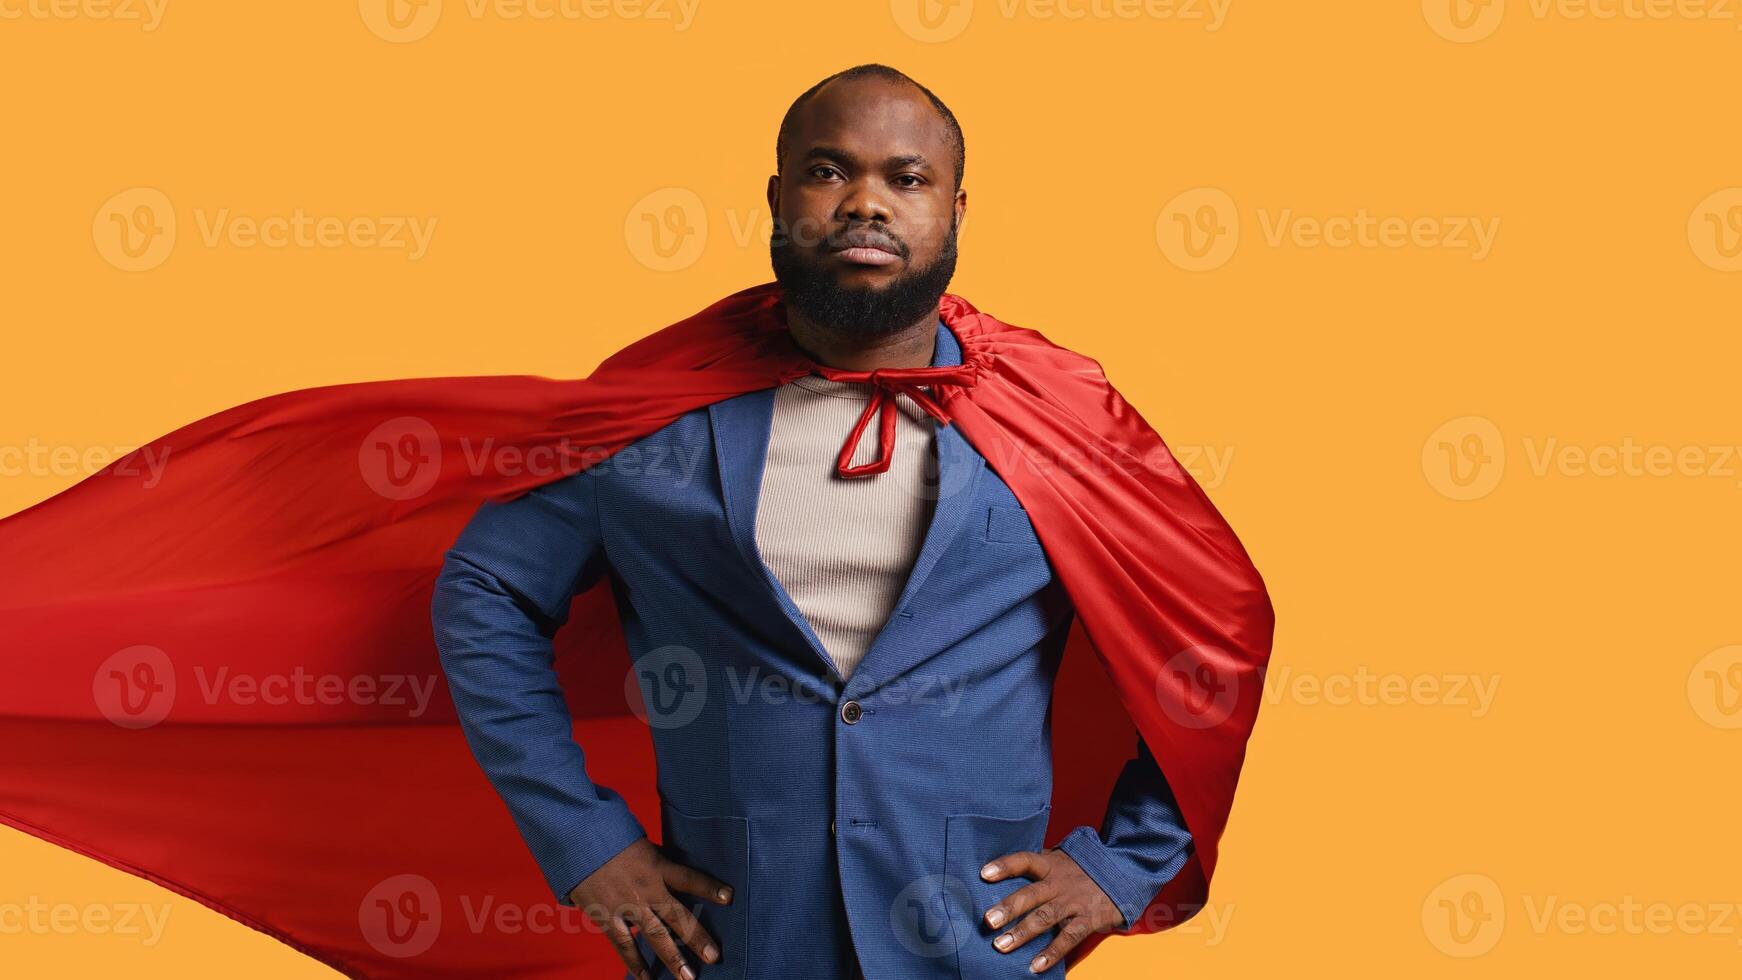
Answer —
812 234
868 236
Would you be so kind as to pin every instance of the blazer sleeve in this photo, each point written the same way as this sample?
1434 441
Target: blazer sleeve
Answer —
1143 841
503 591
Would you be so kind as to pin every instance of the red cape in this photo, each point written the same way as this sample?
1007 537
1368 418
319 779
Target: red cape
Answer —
216 647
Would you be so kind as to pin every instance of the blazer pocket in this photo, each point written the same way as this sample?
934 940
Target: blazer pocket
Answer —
720 847
970 841
1010 525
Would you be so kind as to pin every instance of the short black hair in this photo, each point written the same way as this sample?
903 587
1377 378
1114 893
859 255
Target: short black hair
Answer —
889 74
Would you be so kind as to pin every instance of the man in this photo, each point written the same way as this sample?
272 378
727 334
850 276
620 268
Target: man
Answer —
847 660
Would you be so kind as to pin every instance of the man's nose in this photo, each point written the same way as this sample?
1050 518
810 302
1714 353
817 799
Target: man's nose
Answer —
864 202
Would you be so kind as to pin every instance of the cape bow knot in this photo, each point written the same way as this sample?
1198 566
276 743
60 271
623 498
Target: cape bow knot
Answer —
886 384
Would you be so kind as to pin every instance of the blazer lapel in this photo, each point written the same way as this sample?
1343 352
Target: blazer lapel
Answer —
899 646
741 427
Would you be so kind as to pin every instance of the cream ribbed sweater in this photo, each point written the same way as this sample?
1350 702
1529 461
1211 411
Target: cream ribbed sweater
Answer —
843 548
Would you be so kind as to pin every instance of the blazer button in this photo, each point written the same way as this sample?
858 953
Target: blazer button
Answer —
851 712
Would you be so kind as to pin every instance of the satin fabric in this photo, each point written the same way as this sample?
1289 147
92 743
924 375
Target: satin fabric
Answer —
221 675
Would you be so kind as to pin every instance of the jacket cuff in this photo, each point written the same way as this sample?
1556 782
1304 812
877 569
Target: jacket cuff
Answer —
1131 893
595 841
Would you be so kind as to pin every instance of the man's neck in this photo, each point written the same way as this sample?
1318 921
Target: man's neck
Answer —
911 346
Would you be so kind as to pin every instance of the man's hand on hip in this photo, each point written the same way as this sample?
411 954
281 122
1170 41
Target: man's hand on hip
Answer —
1061 896
635 888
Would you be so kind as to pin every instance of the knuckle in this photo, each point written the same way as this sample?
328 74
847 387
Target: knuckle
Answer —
690 928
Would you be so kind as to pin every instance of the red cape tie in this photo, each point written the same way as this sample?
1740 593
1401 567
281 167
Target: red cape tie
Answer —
886 384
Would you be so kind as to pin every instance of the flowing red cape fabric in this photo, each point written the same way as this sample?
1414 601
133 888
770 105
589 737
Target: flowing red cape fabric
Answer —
220 673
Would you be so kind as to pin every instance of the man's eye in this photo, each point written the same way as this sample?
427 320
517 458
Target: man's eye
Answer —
823 171
913 177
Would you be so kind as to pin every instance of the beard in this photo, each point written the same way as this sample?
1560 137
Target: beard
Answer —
857 313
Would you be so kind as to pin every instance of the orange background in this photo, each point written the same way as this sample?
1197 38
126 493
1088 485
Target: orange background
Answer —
1461 467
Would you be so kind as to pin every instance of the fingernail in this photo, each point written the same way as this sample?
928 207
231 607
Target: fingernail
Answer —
688 974
1004 941
724 895
995 918
990 870
711 954
1038 965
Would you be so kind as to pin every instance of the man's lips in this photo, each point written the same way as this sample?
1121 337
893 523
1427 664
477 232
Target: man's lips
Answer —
867 256
867 248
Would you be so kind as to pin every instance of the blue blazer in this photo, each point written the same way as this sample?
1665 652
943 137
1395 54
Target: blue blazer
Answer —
851 817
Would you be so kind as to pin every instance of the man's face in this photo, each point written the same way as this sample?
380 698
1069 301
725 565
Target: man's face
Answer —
866 209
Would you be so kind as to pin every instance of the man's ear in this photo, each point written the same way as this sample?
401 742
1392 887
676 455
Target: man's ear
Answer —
774 196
